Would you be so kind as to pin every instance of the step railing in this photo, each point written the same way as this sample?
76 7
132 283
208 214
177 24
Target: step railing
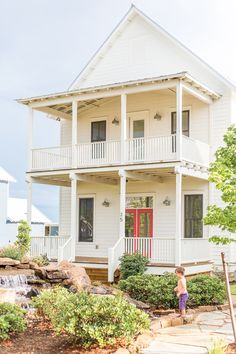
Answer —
64 252
114 253
48 245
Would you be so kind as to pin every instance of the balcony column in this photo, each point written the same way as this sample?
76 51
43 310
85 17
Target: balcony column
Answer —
29 201
74 213
179 124
122 175
74 133
123 132
178 218
30 136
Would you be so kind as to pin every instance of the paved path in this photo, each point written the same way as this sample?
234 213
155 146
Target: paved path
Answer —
195 338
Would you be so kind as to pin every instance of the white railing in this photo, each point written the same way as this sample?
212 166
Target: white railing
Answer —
48 245
195 250
114 253
52 158
98 153
64 253
151 149
196 151
158 250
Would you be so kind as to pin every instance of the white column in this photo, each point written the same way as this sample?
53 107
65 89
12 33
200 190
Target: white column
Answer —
179 108
123 132
122 175
30 136
74 133
74 214
29 201
178 218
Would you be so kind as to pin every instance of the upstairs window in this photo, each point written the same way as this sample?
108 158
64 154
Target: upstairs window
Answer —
193 214
185 122
98 131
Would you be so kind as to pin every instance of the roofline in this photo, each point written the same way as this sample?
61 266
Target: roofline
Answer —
133 9
178 76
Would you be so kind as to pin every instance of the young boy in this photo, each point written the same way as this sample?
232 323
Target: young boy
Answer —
181 290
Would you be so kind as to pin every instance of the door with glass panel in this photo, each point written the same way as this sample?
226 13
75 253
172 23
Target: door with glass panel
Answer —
98 138
137 135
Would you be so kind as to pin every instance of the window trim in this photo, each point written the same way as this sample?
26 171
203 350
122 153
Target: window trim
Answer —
184 108
85 196
183 214
97 121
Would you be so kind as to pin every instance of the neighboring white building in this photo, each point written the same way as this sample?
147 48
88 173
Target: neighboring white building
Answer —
12 210
139 128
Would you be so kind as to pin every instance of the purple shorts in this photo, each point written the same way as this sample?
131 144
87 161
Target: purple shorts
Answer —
182 301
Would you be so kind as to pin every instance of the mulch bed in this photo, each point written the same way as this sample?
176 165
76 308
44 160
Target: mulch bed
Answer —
39 338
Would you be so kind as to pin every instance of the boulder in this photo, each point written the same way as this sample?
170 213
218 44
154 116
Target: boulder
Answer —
77 276
162 312
23 266
100 290
8 262
58 274
139 304
122 351
32 293
144 340
41 273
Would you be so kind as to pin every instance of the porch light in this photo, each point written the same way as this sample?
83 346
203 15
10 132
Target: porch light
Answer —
106 203
166 202
157 116
115 121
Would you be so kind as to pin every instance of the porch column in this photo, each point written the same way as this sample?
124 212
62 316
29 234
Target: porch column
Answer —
74 133
122 175
29 201
74 214
178 218
123 132
30 136
179 108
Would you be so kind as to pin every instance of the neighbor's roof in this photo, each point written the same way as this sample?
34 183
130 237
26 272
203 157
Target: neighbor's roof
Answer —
17 210
5 176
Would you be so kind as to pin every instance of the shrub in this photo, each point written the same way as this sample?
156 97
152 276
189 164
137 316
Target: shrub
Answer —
159 290
11 320
206 290
41 260
91 319
11 251
23 238
132 265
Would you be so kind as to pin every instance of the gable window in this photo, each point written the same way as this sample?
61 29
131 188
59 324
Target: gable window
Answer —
86 219
98 131
185 122
193 214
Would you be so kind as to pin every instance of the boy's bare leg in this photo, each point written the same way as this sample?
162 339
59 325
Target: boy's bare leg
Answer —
183 313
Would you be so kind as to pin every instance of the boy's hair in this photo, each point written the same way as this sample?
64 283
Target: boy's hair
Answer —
180 270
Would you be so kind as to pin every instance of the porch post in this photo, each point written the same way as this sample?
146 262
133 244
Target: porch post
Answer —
123 132
29 201
74 133
30 136
73 227
122 175
179 124
178 218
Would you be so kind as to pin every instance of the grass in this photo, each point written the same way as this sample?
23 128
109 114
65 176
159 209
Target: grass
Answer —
233 289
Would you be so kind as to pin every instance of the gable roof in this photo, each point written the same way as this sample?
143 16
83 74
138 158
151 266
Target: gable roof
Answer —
17 210
5 176
117 31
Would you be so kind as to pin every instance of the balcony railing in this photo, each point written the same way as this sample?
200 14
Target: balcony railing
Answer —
105 153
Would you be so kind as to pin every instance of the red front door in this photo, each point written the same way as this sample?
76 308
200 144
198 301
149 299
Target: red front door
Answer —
139 224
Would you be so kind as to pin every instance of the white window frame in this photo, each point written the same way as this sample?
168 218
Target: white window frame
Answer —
204 200
84 196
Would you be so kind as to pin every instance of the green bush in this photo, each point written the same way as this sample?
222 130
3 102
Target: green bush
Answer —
23 237
159 290
206 290
91 319
11 320
132 265
11 251
41 260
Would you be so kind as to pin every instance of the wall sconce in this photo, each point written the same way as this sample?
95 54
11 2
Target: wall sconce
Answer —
106 203
166 202
157 116
115 121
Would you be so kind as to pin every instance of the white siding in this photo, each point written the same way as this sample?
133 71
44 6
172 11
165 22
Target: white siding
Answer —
4 190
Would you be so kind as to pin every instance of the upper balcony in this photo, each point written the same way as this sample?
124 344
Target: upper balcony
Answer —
157 120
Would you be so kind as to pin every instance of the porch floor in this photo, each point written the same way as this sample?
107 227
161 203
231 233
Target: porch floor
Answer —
95 260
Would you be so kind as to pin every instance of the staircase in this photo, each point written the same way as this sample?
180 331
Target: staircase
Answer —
98 274
96 268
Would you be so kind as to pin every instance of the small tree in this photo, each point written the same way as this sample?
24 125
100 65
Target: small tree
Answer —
23 238
223 175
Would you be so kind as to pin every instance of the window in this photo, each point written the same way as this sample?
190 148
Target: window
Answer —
193 213
185 122
98 131
86 215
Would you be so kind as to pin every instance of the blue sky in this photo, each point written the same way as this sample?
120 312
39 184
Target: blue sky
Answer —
45 43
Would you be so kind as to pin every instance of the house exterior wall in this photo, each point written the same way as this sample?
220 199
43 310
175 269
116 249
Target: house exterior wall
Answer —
11 231
4 192
106 219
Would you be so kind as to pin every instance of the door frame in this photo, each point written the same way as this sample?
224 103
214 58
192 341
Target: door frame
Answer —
136 212
143 115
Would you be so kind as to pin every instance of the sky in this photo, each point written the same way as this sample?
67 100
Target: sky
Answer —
44 44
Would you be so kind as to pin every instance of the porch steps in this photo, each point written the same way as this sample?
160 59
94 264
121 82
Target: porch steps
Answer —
98 274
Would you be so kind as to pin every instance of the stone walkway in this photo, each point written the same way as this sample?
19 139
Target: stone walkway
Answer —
195 338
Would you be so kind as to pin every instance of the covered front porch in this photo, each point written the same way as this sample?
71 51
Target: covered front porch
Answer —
116 195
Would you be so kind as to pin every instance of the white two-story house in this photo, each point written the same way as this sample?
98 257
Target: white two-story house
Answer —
139 127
